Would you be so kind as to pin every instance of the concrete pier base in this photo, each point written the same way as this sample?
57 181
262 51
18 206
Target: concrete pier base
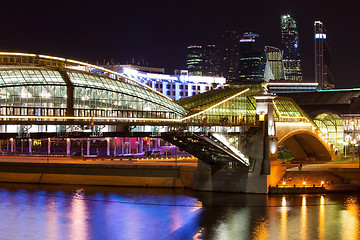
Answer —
220 178
236 178
98 174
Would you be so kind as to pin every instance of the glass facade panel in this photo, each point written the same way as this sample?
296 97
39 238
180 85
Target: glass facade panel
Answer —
237 110
29 98
24 76
286 108
331 125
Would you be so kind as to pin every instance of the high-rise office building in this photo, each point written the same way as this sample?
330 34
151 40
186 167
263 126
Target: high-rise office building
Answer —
275 61
290 46
262 65
252 61
230 55
247 43
203 60
252 66
323 74
210 57
194 60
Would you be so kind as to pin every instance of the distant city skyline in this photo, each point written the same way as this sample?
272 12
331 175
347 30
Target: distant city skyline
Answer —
159 32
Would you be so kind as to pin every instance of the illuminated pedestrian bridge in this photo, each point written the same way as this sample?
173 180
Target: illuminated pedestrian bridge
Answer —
237 127
46 96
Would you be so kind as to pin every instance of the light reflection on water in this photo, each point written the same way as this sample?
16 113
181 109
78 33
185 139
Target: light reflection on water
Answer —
78 215
350 219
322 218
81 213
283 219
303 225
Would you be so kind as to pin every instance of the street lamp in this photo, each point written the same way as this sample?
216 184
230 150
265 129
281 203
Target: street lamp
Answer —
353 140
48 150
345 145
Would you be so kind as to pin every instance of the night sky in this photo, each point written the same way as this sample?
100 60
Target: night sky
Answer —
160 31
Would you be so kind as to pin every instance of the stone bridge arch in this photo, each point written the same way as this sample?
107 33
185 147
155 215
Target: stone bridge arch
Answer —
305 141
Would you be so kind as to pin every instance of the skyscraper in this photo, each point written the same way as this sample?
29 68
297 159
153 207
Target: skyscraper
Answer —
274 58
323 74
210 61
290 46
247 43
230 55
203 60
251 60
194 60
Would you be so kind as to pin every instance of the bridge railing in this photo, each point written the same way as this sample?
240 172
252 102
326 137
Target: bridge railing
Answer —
46 115
291 119
221 120
21 115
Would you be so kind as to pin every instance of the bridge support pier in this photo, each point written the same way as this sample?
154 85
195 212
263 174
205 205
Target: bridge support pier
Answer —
220 178
265 169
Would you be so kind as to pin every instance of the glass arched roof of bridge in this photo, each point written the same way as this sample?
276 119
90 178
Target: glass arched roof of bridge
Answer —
21 80
238 106
286 108
93 81
331 125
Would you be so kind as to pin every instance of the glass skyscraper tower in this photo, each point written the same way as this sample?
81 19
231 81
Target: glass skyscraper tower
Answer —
323 74
194 60
290 46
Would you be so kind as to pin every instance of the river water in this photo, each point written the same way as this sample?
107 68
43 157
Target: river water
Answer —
77 213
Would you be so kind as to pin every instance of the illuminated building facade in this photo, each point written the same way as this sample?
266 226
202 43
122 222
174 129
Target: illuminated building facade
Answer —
323 74
290 46
194 60
174 86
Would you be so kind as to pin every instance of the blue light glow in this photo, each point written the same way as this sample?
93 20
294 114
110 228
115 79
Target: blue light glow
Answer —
251 35
320 36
